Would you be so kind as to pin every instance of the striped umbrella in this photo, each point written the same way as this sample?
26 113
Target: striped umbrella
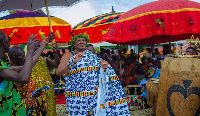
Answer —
19 25
33 5
96 26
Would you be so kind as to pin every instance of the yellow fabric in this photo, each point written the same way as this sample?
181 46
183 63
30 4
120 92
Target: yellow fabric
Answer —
41 72
31 22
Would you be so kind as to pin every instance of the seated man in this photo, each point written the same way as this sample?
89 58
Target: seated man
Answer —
156 69
191 51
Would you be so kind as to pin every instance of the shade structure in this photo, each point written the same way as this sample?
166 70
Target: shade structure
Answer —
96 26
156 22
19 25
32 4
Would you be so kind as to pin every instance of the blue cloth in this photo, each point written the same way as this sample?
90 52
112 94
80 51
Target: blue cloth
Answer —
144 93
3 66
1 85
156 73
163 57
80 78
143 84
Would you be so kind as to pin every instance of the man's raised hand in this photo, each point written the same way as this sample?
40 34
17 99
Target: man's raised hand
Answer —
51 36
32 43
78 56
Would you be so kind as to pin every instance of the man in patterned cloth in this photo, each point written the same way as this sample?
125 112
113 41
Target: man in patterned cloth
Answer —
92 86
10 103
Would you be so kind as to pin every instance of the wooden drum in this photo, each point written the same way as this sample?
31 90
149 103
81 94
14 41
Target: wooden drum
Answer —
152 93
133 95
179 87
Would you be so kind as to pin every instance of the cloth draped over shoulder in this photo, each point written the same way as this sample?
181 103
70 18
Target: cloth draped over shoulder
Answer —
92 90
10 103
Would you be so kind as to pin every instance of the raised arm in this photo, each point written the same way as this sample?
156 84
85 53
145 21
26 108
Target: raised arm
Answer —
55 62
43 44
16 68
62 67
104 63
24 75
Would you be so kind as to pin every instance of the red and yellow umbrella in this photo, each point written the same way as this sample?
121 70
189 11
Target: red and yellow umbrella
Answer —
20 25
156 22
97 26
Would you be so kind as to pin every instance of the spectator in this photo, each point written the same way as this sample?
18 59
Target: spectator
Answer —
191 51
90 47
10 98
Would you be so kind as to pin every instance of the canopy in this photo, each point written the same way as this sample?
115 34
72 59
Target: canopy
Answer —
96 26
156 22
20 25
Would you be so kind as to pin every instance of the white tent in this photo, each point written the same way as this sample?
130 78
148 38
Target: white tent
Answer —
76 13
4 13
103 44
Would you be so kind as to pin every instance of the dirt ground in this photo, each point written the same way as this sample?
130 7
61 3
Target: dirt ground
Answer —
61 109
143 112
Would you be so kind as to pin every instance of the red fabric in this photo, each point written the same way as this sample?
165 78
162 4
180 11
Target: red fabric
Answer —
60 99
22 34
128 97
159 6
97 26
132 101
156 27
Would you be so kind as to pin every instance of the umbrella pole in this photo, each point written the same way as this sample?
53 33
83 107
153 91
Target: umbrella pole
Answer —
152 49
53 41
169 44
120 67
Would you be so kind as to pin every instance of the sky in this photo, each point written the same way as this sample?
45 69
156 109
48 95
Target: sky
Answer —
119 5
77 13
122 5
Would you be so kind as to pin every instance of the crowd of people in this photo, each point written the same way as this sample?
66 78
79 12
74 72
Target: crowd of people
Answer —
93 83
132 69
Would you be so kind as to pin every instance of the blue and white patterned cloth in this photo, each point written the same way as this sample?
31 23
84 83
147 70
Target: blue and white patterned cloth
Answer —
110 95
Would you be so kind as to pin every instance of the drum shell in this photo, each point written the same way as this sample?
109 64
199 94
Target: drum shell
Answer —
152 94
179 87
133 95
